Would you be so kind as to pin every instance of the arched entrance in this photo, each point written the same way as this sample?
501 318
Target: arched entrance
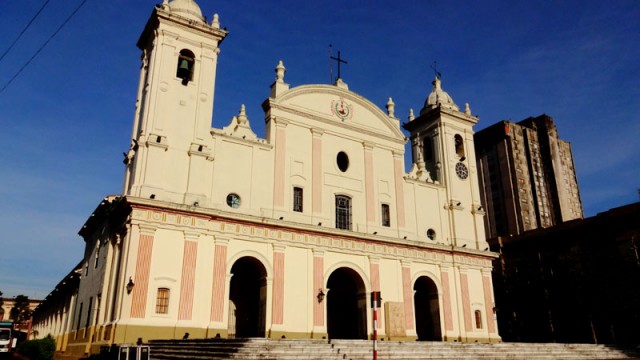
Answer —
427 309
346 305
247 298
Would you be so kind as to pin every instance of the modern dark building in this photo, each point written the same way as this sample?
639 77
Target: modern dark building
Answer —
575 282
527 176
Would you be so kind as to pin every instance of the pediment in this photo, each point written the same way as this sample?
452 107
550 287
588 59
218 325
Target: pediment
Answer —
337 107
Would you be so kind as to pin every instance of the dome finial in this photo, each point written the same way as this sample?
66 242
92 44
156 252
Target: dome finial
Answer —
438 98
437 83
187 9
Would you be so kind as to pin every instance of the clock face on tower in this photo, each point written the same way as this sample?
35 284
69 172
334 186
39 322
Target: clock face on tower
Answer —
462 171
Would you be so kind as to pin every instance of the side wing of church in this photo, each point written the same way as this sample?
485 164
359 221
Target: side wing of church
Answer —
222 233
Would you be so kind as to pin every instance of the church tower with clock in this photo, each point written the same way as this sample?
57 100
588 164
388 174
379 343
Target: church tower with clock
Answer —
443 153
222 232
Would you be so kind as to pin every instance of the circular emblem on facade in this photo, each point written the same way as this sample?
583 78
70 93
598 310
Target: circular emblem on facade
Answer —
462 171
341 109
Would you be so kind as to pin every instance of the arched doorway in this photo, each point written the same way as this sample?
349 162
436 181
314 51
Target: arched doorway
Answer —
427 309
247 298
346 305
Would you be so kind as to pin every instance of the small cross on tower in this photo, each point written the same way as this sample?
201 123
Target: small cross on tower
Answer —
435 70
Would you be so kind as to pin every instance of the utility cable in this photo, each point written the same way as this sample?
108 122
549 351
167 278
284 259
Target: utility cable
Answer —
24 30
43 46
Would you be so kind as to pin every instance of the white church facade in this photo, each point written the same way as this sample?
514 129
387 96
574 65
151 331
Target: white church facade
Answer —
222 233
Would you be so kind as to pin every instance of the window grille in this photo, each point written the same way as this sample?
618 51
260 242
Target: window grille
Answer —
386 215
343 212
162 301
297 199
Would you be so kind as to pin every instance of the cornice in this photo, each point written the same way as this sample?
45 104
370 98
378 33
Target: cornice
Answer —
233 225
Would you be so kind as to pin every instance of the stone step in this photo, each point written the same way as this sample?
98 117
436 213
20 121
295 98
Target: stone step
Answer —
290 349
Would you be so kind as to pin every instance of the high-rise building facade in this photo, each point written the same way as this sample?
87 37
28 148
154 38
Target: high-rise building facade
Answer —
527 176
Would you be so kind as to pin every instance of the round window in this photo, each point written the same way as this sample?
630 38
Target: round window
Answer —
343 161
431 234
233 200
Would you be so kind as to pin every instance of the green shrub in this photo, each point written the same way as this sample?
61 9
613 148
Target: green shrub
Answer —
42 349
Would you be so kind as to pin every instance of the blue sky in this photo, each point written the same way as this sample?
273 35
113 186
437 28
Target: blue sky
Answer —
66 119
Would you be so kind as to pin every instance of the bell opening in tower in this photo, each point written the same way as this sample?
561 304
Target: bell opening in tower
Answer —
185 66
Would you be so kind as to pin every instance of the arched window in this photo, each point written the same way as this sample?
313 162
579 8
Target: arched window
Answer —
186 61
459 146
343 212
427 145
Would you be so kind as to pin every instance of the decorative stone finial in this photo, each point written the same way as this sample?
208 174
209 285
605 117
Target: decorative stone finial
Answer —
467 110
391 108
239 127
279 86
341 84
280 70
411 116
242 116
215 23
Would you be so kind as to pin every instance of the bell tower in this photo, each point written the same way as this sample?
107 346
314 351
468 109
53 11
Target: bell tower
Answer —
174 106
443 152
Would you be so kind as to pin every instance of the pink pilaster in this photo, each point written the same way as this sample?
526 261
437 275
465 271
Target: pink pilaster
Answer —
488 302
398 168
219 281
279 167
278 287
446 306
466 302
143 266
188 280
316 148
368 183
408 297
318 284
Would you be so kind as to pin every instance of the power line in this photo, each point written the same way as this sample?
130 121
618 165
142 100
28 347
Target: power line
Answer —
24 30
43 46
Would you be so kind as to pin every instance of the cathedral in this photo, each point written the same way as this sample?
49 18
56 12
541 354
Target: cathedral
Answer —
222 232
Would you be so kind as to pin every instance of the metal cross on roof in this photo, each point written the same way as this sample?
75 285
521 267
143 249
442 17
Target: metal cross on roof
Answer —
339 60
